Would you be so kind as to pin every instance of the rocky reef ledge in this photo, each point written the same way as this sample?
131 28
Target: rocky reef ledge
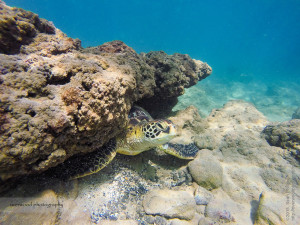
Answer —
59 99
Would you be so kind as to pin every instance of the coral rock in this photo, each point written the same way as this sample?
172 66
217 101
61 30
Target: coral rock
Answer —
58 99
285 135
221 208
19 27
202 196
171 204
71 213
43 209
206 170
189 124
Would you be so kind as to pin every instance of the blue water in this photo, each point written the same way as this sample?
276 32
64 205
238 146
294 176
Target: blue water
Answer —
249 41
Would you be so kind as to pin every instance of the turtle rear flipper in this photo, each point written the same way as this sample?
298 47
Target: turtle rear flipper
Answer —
181 151
80 166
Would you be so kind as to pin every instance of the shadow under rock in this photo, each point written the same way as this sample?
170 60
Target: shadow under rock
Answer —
254 207
32 185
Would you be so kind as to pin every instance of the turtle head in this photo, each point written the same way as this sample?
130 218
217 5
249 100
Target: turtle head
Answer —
159 131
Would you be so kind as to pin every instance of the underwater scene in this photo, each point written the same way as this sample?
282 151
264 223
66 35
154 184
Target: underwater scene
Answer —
171 112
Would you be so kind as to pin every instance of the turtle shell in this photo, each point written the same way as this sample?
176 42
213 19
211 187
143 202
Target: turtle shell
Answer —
138 114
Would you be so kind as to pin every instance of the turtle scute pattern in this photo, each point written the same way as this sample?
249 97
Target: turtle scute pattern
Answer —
83 165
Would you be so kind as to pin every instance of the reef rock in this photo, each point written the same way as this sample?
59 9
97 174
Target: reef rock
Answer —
71 213
189 124
221 208
296 114
285 135
19 27
206 170
235 117
43 209
172 204
202 196
58 99
249 165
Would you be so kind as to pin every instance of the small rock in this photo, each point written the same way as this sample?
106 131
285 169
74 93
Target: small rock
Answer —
222 208
161 220
149 219
71 213
171 204
206 170
202 196
36 210
285 135
221 215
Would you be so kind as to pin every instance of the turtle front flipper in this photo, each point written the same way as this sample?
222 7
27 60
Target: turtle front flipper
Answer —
95 161
83 165
181 151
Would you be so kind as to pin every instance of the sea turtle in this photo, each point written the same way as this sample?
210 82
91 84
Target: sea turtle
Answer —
143 133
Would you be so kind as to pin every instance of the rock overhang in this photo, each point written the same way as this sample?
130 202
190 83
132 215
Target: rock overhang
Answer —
59 99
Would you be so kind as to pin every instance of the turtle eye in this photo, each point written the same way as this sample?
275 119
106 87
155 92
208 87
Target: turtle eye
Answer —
160 126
